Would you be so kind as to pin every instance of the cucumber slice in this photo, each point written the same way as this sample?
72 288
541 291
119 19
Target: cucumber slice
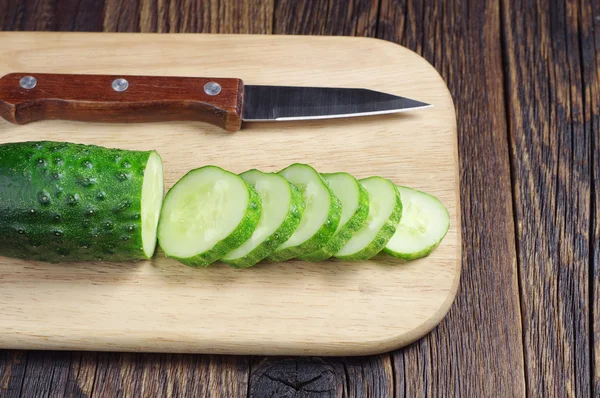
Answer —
385 212
64 202
152 196
425 222
282 208
320 218
355 208
206 214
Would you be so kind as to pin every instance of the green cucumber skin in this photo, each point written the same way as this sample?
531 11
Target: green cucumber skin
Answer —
413 256
320 238
385 234
283 233
242 233
420 254
345 234
62 201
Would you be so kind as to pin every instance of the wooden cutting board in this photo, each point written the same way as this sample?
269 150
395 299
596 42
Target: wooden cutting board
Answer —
297 308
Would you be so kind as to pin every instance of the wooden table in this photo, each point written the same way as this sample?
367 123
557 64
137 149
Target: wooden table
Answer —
525 78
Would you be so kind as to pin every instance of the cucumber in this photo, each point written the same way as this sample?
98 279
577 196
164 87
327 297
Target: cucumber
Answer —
282 208
424 224
385 212
320 218
62 201
355 208
206 214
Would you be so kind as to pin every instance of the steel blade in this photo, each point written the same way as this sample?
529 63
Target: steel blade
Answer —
267 103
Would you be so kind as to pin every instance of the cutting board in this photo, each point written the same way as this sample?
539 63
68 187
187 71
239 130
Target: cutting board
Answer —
296 308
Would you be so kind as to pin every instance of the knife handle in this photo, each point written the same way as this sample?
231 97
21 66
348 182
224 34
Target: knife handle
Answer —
28 97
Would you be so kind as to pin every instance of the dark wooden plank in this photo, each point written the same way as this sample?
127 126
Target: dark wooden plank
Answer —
477 349
326 17
142 375
214 16
79 380
122 16
46 374
55 374
590 57
12 14
300 17
12 372
550 143
70 15
369 376
79 15
30 15
322 377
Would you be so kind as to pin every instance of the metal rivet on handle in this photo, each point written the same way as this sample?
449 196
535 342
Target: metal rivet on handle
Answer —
28 82
212 88
120 84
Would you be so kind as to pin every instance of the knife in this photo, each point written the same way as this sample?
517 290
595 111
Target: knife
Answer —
223 102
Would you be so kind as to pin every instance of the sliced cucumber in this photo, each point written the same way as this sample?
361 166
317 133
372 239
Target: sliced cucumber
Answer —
425 222
355 208
152 196
282 208
320 218
385 212
206 214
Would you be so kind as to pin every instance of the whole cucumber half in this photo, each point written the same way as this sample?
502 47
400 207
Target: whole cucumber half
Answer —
385 212
63 201
206 214
282 208
355 208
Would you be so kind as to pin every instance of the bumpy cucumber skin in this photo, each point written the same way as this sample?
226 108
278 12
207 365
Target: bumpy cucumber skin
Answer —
422 253
234 240
62 202
383 236
345 234
320 238
283 233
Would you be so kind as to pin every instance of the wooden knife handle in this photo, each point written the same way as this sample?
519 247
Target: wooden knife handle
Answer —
28 97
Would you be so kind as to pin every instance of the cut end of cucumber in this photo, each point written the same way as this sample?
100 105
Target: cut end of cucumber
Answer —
152 197
424 224
202 209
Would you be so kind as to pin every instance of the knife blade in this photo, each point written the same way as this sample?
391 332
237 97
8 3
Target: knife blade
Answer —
224 102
